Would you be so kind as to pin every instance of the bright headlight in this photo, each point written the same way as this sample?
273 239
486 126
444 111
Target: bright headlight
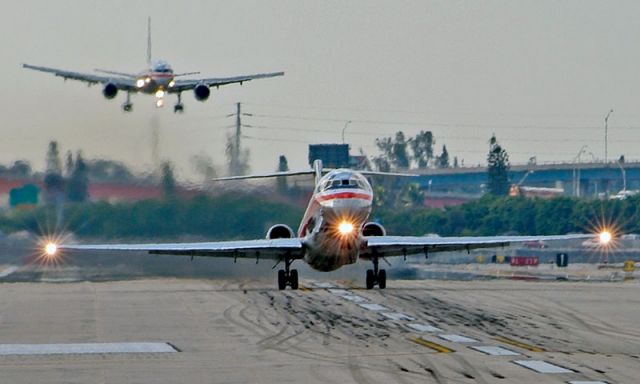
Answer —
605 237
345 228
51 249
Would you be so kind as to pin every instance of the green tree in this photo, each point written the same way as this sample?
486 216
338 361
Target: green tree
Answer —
394 151
422 148
78 183
283 166
168 181
443 159
53 180
497 169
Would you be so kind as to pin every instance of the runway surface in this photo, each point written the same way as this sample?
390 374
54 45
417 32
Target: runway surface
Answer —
245 331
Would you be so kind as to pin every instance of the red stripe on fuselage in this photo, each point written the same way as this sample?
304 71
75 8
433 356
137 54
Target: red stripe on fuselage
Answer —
344 195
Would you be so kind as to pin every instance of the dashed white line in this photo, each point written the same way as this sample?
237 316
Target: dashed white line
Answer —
458 338
542 366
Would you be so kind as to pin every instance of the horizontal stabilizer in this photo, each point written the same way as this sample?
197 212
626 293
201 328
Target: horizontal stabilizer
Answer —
130 75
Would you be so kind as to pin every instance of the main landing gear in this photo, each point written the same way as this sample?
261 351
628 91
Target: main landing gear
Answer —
287 277
127 106
375 276
179 107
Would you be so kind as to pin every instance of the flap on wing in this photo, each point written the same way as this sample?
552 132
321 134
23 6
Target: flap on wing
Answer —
263 248
120 82
408 245
183 85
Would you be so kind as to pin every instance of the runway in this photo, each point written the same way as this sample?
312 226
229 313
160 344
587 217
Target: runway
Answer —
240 331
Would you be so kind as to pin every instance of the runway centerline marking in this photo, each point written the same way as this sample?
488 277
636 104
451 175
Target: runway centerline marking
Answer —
494 351
542 366
423 327
458 338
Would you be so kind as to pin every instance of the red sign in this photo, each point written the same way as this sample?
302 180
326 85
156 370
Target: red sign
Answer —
519 261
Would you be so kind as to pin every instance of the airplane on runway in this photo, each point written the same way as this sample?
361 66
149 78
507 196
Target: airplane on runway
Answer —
158 79
334 232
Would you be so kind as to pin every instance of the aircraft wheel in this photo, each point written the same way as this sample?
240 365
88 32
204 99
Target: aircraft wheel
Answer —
382 279
282 280
293 278
370 279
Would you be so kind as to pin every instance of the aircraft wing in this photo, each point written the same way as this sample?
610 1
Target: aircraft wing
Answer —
385 246
120 82
184 85
256 249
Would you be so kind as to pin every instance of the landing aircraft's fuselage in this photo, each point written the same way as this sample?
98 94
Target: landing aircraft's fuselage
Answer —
159 77
332 224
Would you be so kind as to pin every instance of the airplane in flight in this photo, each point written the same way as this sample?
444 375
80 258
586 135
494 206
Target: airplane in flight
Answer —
335 231
158 79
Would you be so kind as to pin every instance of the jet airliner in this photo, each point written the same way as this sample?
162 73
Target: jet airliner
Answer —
335 231
158 79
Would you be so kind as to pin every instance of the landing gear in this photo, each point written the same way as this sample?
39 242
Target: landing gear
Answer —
287 277
375 276
127 106
179 107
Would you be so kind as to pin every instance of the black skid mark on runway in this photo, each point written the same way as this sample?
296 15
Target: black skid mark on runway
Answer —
450 313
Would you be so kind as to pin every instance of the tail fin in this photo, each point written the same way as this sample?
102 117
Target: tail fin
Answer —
317 169
149 41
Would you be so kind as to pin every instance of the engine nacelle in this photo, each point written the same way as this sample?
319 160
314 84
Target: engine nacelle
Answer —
202 92
110 91
280 231
373 229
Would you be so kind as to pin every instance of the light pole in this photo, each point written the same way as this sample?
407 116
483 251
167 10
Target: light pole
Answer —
343 129
624 176
606 128
576 171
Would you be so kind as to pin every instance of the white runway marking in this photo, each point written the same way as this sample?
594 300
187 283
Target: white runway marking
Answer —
587 382
355 298
495 351
7 271
84 348
542 366
458 338
397 316
423 327
339 292
373 307
324 285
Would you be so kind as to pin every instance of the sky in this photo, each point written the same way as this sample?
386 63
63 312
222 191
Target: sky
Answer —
540 75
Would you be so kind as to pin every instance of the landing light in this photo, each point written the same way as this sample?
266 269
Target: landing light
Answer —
345 228
172 83
159 93
147 80
605 237
51 249
159 103
140 83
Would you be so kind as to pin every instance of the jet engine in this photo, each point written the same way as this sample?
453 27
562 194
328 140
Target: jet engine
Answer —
373 229
280 231
110 91
201 92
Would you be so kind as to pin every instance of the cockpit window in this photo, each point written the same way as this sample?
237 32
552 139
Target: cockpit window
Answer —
343 180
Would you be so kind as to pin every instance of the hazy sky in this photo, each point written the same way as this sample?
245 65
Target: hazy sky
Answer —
541 75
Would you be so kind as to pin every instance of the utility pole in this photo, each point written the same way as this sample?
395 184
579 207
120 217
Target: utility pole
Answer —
235 159
606 128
